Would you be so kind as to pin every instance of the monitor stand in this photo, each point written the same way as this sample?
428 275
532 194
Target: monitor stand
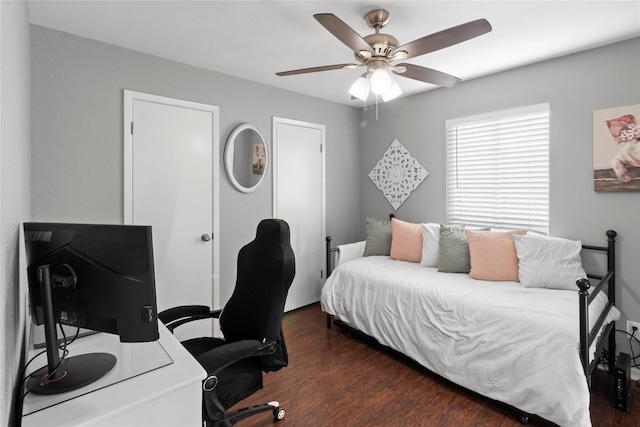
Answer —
72 372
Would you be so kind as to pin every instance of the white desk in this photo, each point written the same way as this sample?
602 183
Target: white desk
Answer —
170 395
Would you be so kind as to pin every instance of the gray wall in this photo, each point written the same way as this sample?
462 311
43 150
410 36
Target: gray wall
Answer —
574 85
77 136
14 195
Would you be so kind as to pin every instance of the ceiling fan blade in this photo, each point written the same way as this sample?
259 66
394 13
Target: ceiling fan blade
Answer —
317 69
444 38
428 75
343 32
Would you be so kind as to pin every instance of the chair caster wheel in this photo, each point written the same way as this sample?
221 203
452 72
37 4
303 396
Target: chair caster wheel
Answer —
524 419
278 414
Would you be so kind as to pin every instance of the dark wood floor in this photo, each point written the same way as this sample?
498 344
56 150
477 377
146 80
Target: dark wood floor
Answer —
336 380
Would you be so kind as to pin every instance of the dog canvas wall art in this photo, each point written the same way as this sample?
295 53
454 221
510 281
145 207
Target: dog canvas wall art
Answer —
616 149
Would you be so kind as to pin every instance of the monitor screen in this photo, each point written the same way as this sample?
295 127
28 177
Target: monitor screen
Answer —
98 277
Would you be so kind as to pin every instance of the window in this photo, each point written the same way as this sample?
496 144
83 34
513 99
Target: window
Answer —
498 170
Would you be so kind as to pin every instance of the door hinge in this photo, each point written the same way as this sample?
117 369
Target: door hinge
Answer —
321 148
322 274
131 128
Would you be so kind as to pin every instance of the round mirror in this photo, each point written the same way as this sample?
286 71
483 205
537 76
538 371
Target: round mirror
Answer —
246 158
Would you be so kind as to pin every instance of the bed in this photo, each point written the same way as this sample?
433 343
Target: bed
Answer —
528 347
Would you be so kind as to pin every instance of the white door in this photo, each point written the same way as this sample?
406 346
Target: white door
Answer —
299 199
170 185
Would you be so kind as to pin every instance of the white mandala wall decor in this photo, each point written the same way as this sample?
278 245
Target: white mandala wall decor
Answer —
397 174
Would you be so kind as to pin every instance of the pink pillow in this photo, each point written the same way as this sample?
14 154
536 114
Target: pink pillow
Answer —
406 241
493 255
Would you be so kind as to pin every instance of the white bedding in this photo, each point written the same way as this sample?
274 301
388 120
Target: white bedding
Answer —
513 344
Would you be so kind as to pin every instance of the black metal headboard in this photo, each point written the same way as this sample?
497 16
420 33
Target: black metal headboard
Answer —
329 249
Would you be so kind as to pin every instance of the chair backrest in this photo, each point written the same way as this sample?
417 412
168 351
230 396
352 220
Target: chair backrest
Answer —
266 267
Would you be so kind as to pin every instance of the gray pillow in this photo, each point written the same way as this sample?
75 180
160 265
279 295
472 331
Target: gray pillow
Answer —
454 250
378 237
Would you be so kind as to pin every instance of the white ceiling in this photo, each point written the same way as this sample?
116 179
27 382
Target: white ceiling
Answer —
255 39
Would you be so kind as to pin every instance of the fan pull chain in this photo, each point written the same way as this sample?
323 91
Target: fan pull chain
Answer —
376 107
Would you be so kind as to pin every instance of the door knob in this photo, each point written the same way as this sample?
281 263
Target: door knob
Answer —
205 237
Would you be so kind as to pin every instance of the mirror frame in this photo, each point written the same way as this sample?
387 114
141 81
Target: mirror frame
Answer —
228 157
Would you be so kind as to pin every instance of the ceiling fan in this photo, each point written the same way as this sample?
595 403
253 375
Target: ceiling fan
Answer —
377 51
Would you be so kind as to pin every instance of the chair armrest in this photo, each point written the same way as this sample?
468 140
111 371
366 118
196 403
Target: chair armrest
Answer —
176 316
349 252
227 354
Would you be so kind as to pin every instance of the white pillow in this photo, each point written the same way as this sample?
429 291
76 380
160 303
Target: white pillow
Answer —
430 245
548 262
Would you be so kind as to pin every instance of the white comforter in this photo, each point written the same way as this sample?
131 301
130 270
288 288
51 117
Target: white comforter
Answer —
512 344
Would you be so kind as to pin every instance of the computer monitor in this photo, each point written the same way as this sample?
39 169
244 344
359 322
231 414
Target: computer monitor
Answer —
94 276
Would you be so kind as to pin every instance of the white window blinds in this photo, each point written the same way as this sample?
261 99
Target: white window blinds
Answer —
498 170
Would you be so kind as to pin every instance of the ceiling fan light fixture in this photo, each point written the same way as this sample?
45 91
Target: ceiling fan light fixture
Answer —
392 93
377 51
380 81
360 89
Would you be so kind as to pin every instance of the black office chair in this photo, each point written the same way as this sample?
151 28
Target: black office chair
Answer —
251 323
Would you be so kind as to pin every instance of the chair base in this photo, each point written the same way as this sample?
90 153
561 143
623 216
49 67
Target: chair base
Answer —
240 414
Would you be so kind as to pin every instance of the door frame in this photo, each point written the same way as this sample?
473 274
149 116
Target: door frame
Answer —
274 159
131 96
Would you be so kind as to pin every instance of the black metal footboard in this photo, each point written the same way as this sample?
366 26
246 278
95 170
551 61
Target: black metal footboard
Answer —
587 337
329 269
